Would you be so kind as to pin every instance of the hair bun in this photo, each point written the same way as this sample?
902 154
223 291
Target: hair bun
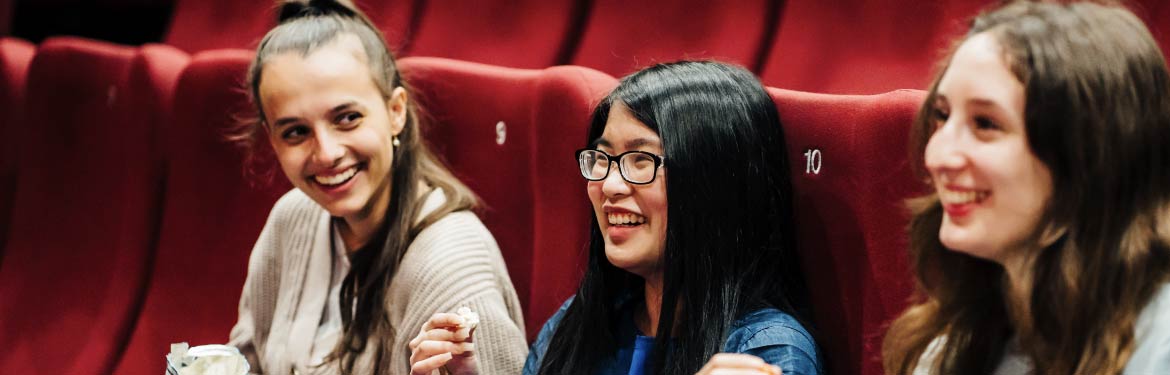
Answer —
295 9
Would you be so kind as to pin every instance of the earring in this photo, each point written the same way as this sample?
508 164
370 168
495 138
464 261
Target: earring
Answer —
395 141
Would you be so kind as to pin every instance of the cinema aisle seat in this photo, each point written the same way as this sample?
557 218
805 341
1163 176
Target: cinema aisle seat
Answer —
86 207
863 47
622 36
212 215
851 176
513 33
15 55
510 135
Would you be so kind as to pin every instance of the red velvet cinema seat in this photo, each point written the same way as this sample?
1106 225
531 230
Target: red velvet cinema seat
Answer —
515 33
86 205
510 135
200 25
851 177
15 55
1156 14
622 36
863 47
212 215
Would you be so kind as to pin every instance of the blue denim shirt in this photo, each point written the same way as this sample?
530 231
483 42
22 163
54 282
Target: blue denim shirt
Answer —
770 334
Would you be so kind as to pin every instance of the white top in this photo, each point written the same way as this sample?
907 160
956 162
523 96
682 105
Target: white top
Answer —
1150 356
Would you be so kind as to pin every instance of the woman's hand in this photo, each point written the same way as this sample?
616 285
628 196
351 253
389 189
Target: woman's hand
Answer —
441 344
737 364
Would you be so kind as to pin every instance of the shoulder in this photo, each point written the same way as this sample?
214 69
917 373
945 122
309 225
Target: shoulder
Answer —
293 219
1152 338
294 205
771 327
456 253
554 320
540 346
456 237
778 338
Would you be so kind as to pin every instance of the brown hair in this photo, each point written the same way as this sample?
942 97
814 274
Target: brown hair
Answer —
304 27
1097 115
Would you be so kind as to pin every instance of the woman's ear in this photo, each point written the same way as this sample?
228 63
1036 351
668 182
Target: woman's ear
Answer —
397 105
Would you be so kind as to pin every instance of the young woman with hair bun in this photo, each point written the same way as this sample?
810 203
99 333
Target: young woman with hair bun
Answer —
377 235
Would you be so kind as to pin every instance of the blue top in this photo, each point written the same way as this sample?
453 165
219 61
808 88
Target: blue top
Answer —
768 333
642 347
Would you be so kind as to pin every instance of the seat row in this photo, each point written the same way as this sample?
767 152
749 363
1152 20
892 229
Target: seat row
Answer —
130 218
834 47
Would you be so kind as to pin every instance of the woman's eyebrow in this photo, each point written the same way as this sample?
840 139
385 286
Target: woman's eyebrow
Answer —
641 142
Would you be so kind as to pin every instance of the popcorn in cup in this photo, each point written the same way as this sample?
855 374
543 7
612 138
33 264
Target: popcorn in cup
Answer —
206 360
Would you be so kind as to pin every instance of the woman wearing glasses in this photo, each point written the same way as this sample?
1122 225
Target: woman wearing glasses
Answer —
691 249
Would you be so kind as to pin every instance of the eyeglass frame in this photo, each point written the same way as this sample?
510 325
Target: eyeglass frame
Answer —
659 162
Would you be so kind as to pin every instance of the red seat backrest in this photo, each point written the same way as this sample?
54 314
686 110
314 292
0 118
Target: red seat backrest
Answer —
515 33
509 134
397 19
199 25
1156 14
7 8
863 47
15 56
622 36
212 215
85 214
851 177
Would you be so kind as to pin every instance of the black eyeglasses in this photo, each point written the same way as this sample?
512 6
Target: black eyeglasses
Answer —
636 167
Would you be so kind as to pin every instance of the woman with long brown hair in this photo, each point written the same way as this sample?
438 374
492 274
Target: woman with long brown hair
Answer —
377 235
1045 247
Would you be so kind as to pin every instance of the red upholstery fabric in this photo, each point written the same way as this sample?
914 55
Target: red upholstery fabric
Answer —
1156 14
397 19
212 215
15 55
851 216
198 25
515 33
622 36
863 47
7 7
85 214
534 200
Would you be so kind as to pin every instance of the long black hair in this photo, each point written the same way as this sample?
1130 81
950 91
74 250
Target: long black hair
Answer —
729 243
305 26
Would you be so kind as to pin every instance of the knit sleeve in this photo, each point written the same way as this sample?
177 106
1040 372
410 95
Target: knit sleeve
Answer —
456 263
259 295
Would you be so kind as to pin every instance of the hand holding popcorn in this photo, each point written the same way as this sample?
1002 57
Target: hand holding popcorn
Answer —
445 343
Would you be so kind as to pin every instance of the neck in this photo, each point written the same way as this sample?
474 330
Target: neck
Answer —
651 314
358 229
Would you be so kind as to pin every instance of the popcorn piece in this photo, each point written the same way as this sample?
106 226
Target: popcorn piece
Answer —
470 321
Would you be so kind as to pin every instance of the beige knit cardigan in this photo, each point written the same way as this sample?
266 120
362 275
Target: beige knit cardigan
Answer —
452 263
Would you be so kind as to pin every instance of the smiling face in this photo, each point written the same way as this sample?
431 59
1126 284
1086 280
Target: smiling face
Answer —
992 187
632 217
331 127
